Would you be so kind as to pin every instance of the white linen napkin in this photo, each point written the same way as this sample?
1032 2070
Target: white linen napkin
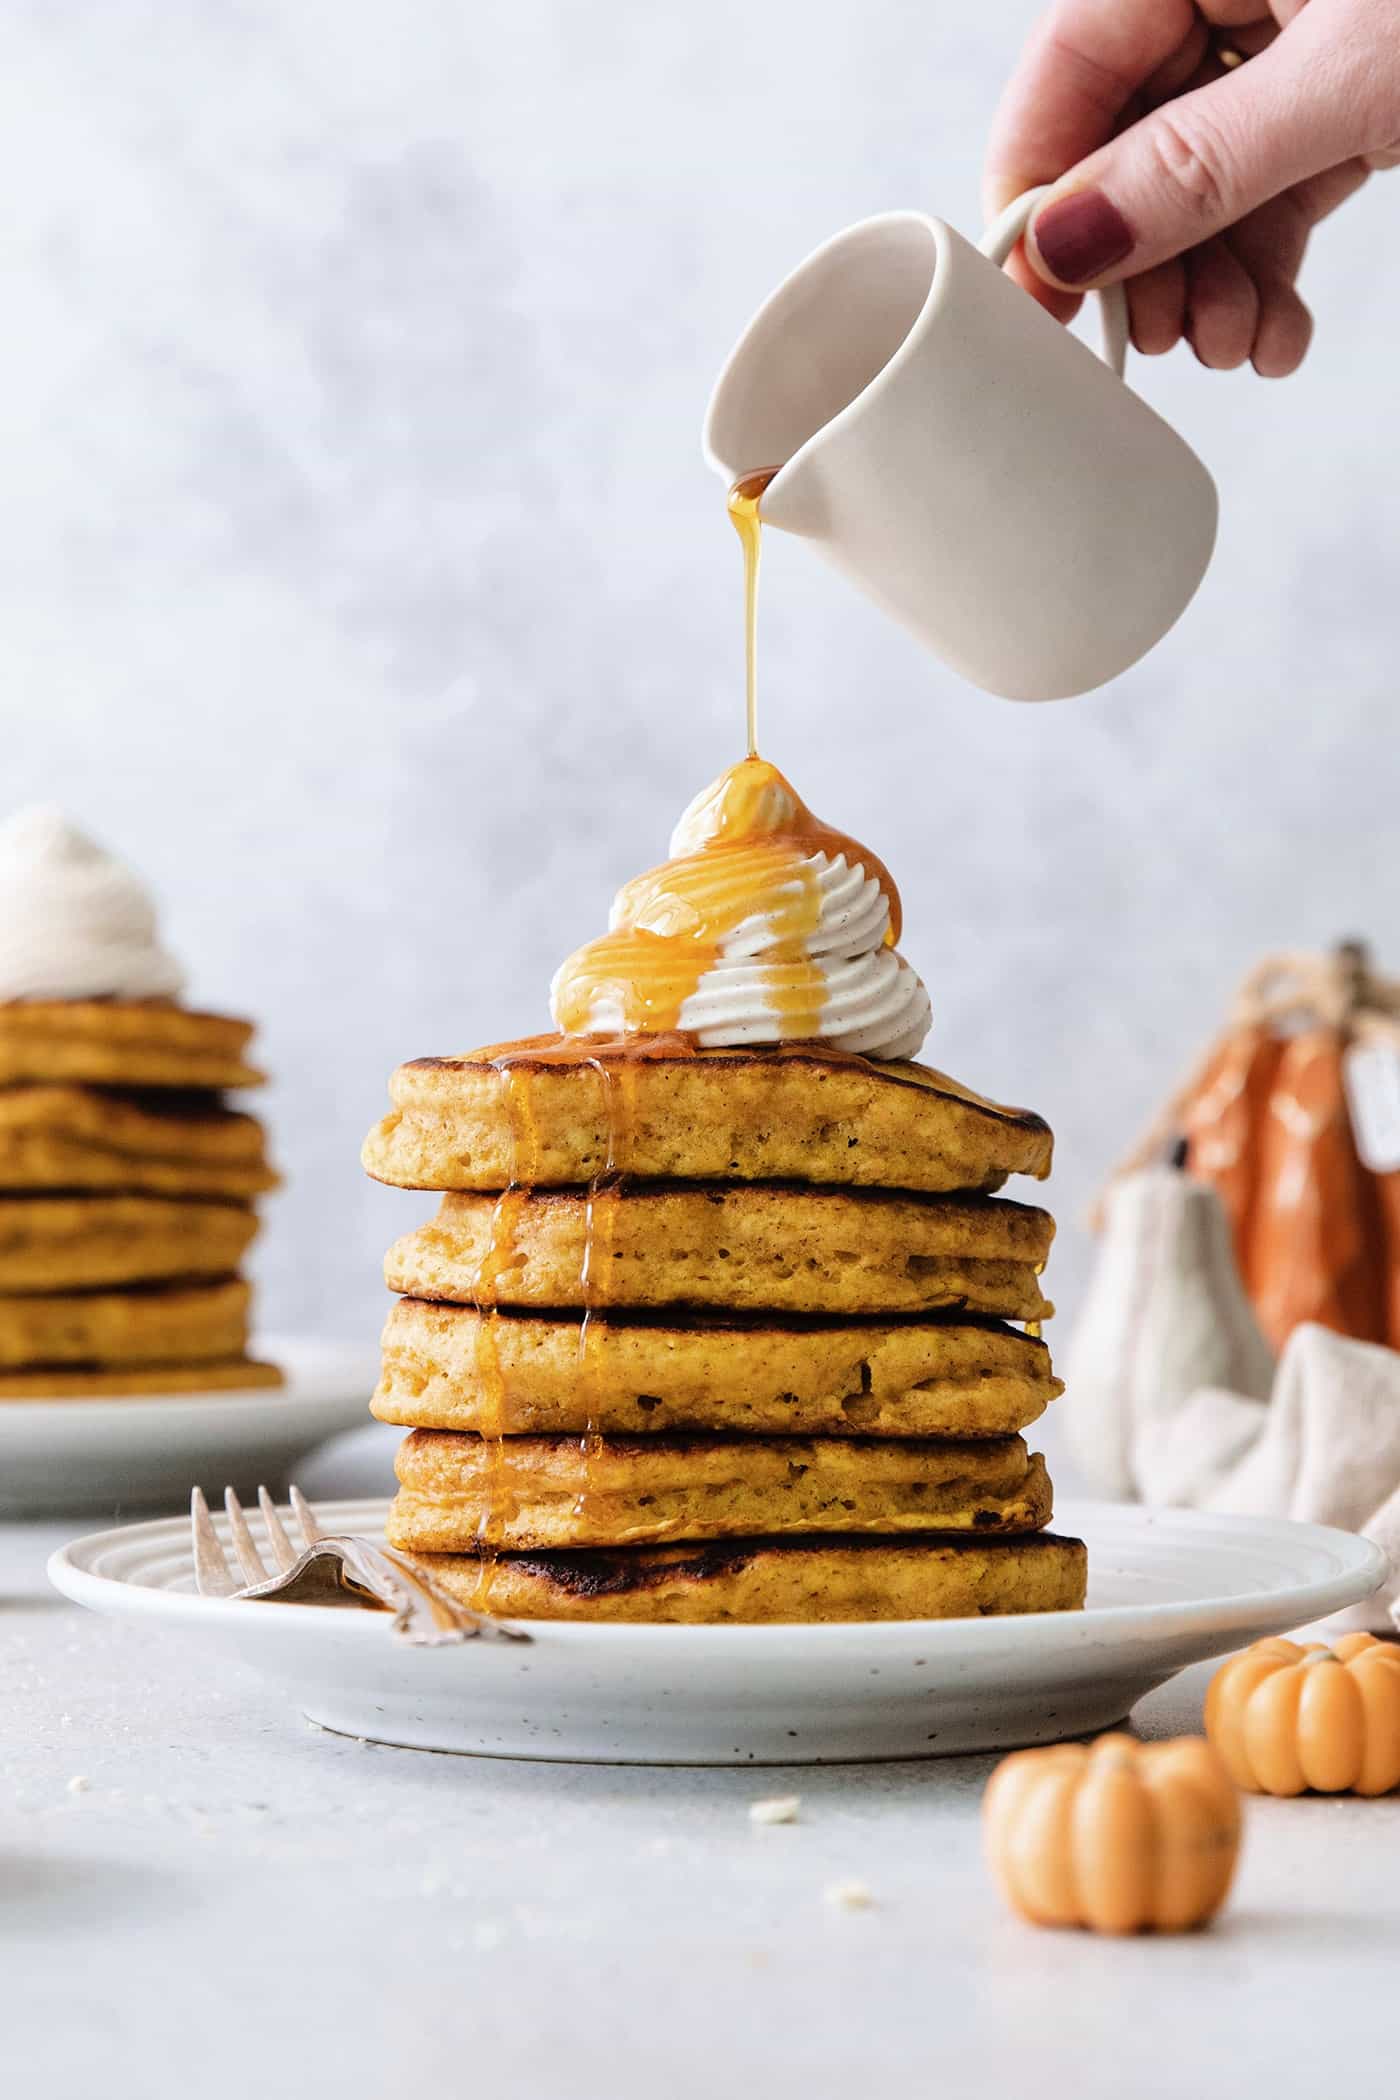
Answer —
1172 1395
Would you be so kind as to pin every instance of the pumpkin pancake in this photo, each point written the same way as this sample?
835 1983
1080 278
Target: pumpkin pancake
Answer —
745 1248
449 1367
57 1243
175 1144
125 1327
622 1491
124 1043
666 1111
775 1581
220 1375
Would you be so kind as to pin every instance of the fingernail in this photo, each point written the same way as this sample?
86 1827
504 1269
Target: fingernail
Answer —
1081 235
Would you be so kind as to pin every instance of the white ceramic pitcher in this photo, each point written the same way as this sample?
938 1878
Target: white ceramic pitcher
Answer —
970 465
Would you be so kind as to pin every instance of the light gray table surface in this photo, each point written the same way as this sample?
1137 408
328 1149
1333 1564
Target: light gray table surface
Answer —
194 1881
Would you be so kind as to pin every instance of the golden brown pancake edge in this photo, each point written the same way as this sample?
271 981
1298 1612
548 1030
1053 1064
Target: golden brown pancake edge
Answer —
760 1115
449 1367
772 1582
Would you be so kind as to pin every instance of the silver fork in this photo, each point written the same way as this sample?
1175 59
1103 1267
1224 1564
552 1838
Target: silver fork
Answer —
337 1568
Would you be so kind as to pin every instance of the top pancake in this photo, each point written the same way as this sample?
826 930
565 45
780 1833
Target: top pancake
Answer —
161 1142
121 1042
556 1113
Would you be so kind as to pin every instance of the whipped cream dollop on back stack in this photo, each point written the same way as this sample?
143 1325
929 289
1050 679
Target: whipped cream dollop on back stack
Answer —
75 923
765 926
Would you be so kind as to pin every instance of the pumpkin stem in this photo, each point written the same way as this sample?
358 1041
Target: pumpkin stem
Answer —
1354 962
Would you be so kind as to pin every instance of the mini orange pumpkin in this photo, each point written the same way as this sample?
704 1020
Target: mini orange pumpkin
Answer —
1120 1836
1287 1718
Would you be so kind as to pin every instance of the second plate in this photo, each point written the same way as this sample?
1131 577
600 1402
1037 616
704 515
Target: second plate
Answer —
149 1450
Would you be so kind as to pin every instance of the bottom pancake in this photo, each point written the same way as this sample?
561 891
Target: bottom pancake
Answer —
224 1375
775 1581
515 1492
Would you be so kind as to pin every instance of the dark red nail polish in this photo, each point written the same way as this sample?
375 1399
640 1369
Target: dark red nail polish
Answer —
1081 235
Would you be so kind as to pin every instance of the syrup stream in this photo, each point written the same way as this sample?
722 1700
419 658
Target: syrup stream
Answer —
744 499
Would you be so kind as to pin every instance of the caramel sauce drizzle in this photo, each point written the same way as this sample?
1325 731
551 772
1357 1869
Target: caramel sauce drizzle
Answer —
516 1068
750 846
755 843
752 843
499 1502
549 1050
1035 1328
617 1079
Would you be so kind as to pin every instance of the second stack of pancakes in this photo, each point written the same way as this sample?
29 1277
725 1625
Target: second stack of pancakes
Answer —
718 1335
126 1200
126 1182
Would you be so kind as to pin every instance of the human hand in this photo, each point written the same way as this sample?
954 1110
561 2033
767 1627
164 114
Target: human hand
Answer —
1193 177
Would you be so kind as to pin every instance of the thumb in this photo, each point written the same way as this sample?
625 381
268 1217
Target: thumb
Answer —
1199 163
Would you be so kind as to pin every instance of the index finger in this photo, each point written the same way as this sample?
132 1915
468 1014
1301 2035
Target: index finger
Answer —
1083 65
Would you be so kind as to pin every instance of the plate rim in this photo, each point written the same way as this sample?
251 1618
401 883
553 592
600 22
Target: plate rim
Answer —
1362 1567
109 1408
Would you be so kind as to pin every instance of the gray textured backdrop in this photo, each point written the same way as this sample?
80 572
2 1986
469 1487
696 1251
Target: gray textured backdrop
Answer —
362 582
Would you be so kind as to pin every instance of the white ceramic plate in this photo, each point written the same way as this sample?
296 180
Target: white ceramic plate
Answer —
148 1450
1166 1588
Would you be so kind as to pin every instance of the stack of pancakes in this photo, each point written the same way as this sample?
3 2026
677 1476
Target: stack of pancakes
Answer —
126 1193
718 1335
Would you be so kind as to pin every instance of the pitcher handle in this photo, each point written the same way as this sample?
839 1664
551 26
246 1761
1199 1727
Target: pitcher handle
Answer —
1001 237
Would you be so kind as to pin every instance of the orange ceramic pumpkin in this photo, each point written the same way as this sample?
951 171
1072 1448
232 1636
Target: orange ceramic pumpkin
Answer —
1267 1123
1119 1836
1316 1248
1221 1120
1287 1718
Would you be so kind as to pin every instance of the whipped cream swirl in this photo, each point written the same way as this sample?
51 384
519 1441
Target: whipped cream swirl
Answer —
75 923
765 926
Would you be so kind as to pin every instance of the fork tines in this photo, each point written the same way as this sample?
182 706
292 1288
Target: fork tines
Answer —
212 1574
